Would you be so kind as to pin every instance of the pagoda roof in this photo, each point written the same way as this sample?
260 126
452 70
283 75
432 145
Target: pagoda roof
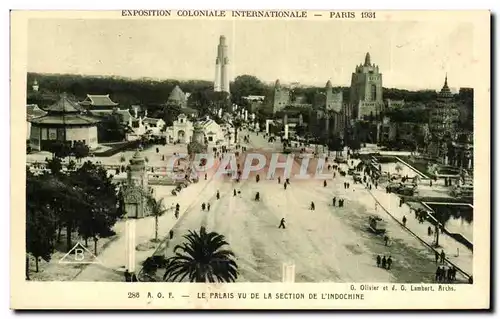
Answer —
125 114
65 119
177 95
33 111
63 105
98 100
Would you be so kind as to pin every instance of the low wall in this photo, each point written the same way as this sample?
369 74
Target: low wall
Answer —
116 148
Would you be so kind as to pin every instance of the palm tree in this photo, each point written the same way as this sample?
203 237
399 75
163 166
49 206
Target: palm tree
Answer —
202 259
157 209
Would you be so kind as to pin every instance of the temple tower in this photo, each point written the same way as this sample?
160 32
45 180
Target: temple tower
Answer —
366 89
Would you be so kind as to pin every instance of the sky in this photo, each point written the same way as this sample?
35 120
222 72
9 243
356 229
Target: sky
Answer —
411 55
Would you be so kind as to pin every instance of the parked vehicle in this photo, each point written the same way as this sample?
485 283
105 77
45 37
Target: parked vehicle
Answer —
376 225
357 178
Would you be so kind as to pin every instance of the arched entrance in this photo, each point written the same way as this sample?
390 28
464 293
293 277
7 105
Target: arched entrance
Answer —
181 136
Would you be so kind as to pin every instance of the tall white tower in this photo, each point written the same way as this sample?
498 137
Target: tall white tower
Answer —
221 83
217 83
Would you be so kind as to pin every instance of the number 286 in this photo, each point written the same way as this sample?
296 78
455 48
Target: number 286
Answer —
368 15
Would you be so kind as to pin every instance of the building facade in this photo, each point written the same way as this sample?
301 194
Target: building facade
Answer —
366 90
181 131
281 97
32 112
64 122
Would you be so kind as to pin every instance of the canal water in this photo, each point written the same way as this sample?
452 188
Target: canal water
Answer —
457 218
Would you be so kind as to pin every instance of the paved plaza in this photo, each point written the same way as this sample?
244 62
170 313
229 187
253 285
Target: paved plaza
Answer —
329 244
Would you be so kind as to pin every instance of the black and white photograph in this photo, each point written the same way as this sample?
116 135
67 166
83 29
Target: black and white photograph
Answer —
236 146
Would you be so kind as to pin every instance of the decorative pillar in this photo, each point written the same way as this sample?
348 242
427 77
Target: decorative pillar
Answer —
288 273
267 126
130 244
286 131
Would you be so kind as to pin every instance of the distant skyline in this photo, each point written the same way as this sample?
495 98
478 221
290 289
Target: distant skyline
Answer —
410 55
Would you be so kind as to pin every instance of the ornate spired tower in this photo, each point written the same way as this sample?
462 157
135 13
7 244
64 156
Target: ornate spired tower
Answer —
443 119
134 193
221 83
366 89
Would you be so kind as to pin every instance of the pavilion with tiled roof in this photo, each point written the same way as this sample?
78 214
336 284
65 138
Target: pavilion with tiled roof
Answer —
98 102
64 121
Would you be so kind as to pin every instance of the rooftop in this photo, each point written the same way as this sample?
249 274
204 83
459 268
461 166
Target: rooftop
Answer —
98 100
63 105
177 95
65 119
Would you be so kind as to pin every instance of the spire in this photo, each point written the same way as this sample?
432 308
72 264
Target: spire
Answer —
329 84
367 59
445 91
277 83
222 40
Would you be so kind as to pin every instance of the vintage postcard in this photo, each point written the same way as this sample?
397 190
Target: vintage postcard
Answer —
250 159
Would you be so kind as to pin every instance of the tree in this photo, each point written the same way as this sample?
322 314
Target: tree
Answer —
111 128
59 149
99 211
157 209
54 165
335 144
40 221
202 259
170 114
245 85
195 147
80 150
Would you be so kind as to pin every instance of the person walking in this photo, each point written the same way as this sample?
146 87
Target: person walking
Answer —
324 183
234 192
438 274
333 201
171 234
203 206
436 255
379 260
284 185
312 206
443 256
386 240
404 221
218 195
282 224
384 262
389 262
279 180
429 231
